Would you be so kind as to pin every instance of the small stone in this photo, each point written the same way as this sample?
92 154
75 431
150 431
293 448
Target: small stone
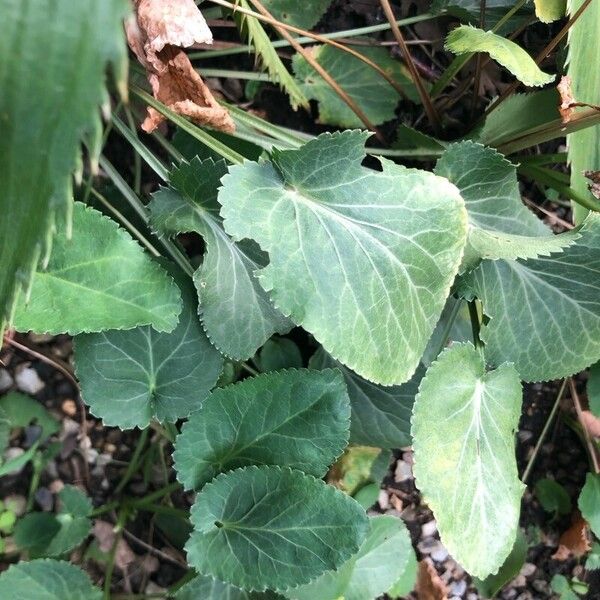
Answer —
524 435
428 546
45 499
29 381
110 448
440 554
509 594
458 588
524 596
56 486
6 381
32 435
69 407
403 472
472 596
383 500
154 589
69 427
10 454
539 585
429 529
16 503
396 503
519 581
528 569
91 455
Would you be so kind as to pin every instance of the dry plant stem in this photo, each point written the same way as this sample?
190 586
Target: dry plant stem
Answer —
309 58
588 440
540 57
542 437
315 36
432 114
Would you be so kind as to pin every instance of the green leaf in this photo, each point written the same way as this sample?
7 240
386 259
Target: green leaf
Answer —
47 534
268 527
380 414
304 15
529 302
21 411
518 115
552 496
500 226
106 275
279 353
592 562
358 80
583 56
129 378
463 428
52 62
460 329
14 465
207 588
560 584
469 11
548 11
381 560
511 567
414 142
269 58
46 579
467 39
406 582
593 389
370 293
237 313
367 495
294 418
589 502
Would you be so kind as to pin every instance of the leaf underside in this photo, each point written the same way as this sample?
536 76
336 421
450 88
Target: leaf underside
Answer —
295 418
363 260
463 428
236 312
270 527
544 314
103 272
52 62
467 39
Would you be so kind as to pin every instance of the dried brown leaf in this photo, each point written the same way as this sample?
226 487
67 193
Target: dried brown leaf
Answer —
567 101
574 541
594 187
155 34
429 584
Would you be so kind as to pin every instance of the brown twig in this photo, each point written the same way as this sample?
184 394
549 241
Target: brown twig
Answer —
541 56
315 36
588 440
432 114
309 58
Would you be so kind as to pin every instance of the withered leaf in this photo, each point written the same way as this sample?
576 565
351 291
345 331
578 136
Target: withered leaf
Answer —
594 186
429 584
156 34
567 101
574 541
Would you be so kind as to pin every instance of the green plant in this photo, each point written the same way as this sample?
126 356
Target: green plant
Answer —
377 262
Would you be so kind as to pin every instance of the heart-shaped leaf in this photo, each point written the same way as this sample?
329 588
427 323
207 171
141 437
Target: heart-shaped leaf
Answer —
130 377
463 429
293 418
271 527
361 259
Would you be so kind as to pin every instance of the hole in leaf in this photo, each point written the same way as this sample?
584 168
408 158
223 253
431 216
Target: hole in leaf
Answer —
218 524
